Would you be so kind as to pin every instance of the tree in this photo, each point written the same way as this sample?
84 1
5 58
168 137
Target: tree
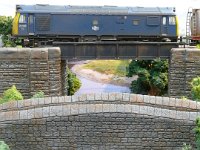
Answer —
73 82
152 76
6 31
195 88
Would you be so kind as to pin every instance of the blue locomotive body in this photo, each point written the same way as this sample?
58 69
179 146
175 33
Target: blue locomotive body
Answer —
47 23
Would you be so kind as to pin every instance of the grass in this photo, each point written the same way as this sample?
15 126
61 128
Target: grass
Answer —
116 67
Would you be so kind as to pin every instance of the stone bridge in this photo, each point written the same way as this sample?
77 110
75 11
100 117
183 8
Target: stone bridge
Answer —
106 121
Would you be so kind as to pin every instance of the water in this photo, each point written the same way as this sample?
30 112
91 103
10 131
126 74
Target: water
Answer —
89 86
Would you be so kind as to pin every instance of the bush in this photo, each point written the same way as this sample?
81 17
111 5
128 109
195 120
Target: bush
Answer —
152 76
197 133
39 94
4 146
195 88
11 94
73 82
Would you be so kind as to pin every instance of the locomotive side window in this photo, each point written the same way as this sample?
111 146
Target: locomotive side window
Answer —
172 20
153 20
136 22
22 19
164 20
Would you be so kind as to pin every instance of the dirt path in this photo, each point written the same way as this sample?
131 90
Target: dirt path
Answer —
99 77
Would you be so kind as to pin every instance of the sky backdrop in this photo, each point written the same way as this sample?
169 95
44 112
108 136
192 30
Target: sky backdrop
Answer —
7 7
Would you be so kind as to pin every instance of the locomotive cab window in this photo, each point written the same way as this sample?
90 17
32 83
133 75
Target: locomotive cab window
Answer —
22 19
136 22
172 20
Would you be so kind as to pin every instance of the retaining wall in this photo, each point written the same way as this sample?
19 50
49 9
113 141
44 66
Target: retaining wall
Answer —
99 121
184 66
31 70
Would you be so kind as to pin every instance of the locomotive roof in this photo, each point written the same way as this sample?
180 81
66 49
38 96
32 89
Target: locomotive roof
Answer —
104 10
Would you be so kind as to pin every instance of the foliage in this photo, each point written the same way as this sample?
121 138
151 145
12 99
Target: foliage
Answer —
195 88
11 94
184 98
198 46
39 94
6 31
5 25
186 147
197 133
73 82
4 146
152 76
116 67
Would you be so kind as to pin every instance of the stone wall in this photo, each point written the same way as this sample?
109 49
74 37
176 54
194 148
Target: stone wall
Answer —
99 121
184 66
31 70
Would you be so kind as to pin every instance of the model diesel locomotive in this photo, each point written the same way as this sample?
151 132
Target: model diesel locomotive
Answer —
45 24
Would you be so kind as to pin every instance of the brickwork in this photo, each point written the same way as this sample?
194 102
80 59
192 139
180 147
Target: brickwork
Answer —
31 70
99 121
184 66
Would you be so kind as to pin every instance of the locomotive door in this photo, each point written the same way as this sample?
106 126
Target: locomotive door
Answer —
31 24
164 26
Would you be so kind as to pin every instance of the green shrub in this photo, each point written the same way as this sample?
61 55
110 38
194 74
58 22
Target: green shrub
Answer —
195 88
186 147
152 76
11 94
197 133
4 146
39 94
73 82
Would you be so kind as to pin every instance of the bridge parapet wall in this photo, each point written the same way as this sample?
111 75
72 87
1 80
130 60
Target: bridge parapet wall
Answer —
184 66
31 70
99 121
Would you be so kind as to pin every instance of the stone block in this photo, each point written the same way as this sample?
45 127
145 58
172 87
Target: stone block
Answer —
82 108
98 108
68 99
66 110
23 114
38 113
193 116
30 113
91 108
74 109
133 98
105 96
159 100
128 108
112 96
126 97
90 97
135 109
119 96
120 108
83 97
46 111
106 108
112 107
55 110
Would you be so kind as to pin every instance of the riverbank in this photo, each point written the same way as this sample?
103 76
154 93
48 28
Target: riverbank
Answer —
79 70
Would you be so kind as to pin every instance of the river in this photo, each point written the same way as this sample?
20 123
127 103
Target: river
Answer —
89 86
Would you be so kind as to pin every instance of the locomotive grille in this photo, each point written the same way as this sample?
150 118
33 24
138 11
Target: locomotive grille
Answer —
43 22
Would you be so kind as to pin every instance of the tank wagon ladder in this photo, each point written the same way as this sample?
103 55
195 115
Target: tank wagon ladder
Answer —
188 25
